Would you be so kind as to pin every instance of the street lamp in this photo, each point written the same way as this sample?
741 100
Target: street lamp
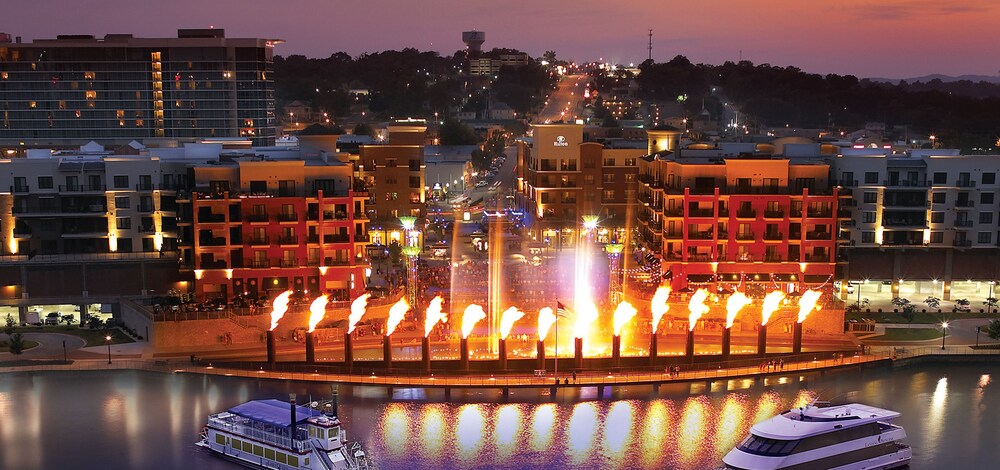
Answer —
944 333
107 339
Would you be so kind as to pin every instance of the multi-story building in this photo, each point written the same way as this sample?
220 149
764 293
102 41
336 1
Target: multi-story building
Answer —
70 90
255 226
395 173
562 177
87 226
736 213
924 223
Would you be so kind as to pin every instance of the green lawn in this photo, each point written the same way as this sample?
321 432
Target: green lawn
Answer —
92 337
919 317
908 334
5 346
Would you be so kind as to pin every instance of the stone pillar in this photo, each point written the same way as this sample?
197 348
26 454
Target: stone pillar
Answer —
616 350
946 295
726 343
22 314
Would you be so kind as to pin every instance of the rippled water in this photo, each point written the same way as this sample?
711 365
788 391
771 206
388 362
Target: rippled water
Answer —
143 420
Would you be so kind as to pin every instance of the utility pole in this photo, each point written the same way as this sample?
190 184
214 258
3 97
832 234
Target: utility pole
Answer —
650 57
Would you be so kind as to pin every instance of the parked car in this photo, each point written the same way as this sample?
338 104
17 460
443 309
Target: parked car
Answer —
52 318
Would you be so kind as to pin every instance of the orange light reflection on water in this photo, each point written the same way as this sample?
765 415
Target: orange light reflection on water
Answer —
396 428
543 427
581 432
692 433
432 430
731 422
618 430
469 432
656 430
507 430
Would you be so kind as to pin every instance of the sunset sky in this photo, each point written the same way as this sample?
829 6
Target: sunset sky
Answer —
883 38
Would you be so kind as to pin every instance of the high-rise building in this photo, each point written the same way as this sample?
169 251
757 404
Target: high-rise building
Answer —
69 90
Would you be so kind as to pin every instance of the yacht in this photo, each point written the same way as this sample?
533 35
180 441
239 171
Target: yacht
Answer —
272 434
846 437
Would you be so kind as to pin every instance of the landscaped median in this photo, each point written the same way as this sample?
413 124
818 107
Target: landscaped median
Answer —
93 337
5 345
907 334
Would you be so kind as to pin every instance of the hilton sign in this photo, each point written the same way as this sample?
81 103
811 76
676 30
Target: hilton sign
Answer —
560 142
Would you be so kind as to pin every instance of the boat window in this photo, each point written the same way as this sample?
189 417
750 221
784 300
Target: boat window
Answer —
765 446
837 437
848 458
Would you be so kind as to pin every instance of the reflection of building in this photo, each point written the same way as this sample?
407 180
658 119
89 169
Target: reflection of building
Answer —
562 178
73 89
736 214
259 227
924 222
395 172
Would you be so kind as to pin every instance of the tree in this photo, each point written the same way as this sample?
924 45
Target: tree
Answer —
319 129
363 128
990 303
993 329
900 302
453 132
909 312
16 343
10 325
932 302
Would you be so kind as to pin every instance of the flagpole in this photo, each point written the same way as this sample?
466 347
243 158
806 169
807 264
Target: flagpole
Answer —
556 372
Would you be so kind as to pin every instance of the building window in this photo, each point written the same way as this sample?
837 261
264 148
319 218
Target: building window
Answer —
937 217
123 223
415 182
938 198
45 182
985 237
867 237
989 178
940 177
986 198
871 197
869 218
986 217
609 177
871 177
937 237
121 182
121 202
629 177
609 194
588 179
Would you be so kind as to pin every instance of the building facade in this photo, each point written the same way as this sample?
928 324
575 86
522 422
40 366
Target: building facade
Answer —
73 89
394 171
257 227
561 178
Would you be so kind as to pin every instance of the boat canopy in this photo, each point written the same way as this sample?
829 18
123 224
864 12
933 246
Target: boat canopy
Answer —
273 412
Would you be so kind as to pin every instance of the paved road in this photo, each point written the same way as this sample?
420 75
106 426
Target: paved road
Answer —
566 102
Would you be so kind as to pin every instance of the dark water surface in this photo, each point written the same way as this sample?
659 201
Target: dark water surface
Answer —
142 420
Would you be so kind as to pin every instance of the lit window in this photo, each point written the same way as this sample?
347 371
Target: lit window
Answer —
32 104
88 75
90 94
78 114
3 75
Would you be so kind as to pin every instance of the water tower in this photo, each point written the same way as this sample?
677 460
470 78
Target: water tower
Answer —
473 41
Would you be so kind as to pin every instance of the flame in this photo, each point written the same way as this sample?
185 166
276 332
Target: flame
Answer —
807 303
659 305
545 321
697 307
736 302
357 311
434 315
771 304
473 313
396 314
278 308
507 320
317 310
586 313
623 314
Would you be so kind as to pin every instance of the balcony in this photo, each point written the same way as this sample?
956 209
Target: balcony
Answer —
819 236
313 262
746 236
846 183
337 261
906 183
819 213
772 258
289 263
674 212
656 225
775 214
674 234
76 188
701 212
818 258
963 183
847 223
20 189
288 240
336 238
145 208
963 223
746 214
212 241
774 236
288 217
217 264
699 257
313 239
962 243
145 187
312 215
256 218
258 263
693 235
965 203
211 218
84 209
361 238
258 241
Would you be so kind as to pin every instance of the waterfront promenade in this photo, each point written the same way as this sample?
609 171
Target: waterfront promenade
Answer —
887 355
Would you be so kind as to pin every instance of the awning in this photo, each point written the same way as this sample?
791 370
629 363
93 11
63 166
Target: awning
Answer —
273 412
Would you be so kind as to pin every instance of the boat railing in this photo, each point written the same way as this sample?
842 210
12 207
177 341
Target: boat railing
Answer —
357 458
259 434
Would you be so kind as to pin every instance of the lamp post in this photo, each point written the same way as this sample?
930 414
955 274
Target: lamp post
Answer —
411 252
989 300
107 339
977 336
944 333
614 276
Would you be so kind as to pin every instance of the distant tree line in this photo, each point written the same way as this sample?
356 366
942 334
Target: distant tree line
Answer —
962 114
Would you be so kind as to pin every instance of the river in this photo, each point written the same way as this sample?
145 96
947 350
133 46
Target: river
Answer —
145 420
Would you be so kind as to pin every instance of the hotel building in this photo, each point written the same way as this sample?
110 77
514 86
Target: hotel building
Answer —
395 173
67 91
561 178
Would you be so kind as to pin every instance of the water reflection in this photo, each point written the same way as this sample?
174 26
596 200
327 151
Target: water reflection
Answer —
395 428
582 427
469 431
656 430
505 436
935 414
692 436
731 418
432 431
618 430
542 427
